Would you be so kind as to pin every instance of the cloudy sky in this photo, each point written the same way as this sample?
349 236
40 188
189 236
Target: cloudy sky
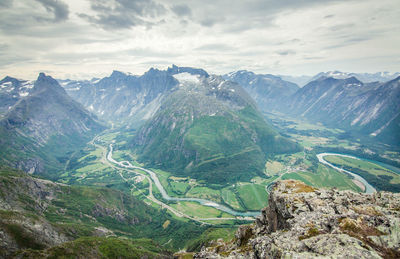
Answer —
88 38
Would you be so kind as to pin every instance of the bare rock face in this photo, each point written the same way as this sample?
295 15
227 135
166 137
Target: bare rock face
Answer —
304 222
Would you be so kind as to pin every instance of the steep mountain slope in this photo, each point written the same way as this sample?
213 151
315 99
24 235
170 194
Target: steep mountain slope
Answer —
39 214
267 90
371 109
210 129
12 90
39 131
298 80
123 98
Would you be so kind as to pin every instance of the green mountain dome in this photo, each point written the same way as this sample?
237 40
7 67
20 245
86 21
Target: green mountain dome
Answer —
209 129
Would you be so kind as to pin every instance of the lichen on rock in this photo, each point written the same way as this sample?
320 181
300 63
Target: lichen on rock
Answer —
304 222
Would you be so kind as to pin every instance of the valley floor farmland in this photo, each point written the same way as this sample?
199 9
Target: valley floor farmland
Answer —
91 167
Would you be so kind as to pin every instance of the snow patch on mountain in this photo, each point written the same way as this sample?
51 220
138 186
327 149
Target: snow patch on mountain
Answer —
28 84
186 77
6 84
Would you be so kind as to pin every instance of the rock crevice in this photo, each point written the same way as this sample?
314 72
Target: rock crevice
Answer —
304 222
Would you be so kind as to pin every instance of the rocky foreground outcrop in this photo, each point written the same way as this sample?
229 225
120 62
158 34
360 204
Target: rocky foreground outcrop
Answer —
304 222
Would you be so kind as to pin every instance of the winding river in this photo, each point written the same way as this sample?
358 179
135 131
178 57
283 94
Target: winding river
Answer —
165 195
368 188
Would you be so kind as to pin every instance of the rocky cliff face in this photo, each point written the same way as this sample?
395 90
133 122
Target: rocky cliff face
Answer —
303 222
123 98
11 91
42 126
268 91
371 109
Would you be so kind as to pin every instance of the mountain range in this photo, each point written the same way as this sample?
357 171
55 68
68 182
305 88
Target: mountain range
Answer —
11 90
363 77
370 109
268 91
43 126
122 98
187 120
193 125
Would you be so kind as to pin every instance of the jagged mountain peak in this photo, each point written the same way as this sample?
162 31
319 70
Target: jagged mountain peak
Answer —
363 77
334 74
397 79
153 71
332 82
249 74
241 72
116 73
353 81
194 71
43 78
15 82
8 79
267 90
45 116
48 84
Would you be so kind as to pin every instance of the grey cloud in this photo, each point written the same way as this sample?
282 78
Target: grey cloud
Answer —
146 52
214 47
29 18
184 22
211 21
107 54
181 10
286 52
6 3
340 27
112 21
313 58
7 59
3 47
244 15
348 40
58 8
329 16
123 14
156 62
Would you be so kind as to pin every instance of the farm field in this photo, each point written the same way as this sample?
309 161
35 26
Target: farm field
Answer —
324 178
380 177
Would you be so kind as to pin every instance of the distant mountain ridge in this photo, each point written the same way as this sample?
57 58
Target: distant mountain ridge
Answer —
372 109
11 90
338 100
268 91
363 77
